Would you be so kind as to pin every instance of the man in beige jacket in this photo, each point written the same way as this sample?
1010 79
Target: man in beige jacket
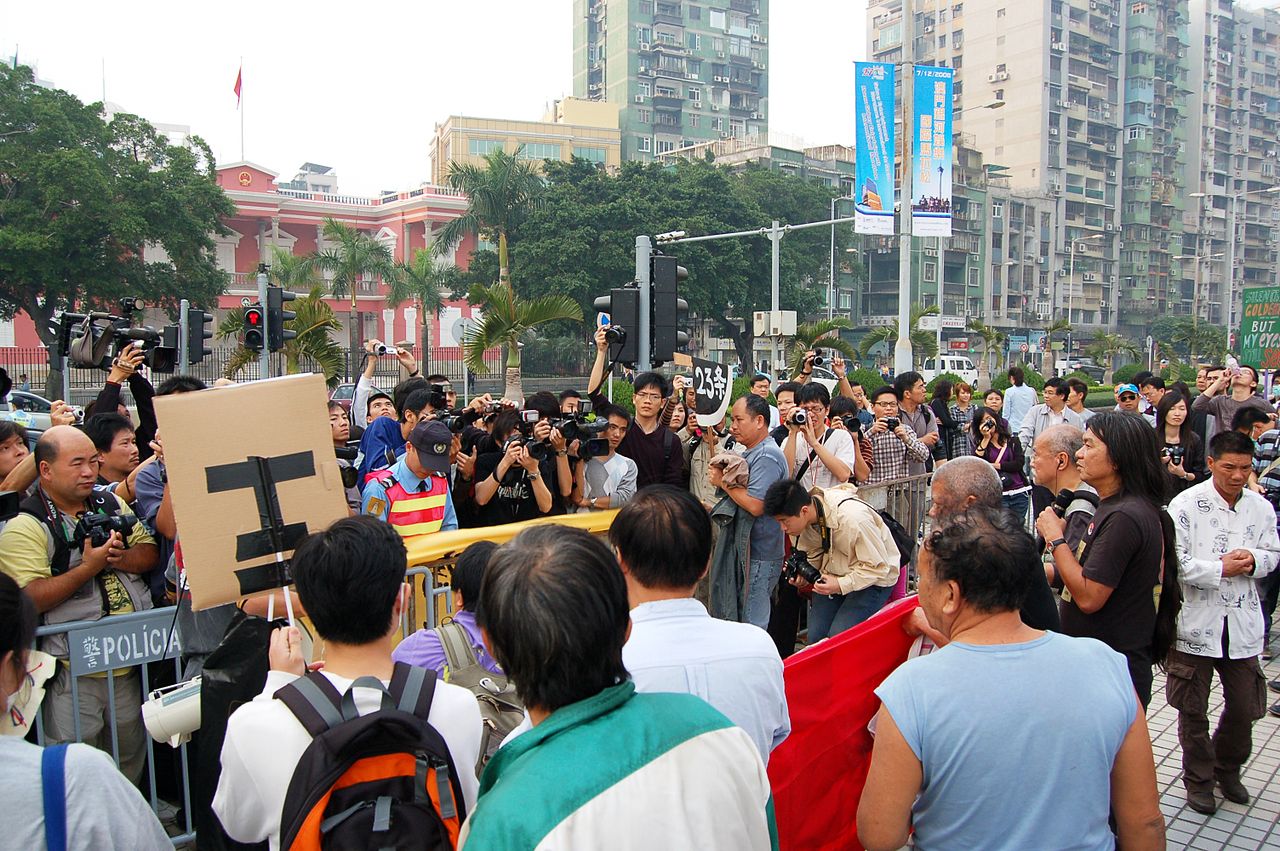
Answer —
840 547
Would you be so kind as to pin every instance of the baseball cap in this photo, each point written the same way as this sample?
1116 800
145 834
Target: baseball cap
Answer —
432 439
1127 388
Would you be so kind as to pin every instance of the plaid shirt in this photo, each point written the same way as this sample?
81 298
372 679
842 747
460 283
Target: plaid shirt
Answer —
890 456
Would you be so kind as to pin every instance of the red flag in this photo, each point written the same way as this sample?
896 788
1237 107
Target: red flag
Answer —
239 74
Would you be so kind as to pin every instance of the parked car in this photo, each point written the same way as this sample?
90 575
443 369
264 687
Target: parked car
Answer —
1088 366
31 411
344 395
955 364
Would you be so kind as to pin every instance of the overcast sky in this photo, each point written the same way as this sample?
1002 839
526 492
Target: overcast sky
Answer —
360 87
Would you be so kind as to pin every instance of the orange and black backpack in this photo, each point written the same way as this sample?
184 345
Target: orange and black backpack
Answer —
381 780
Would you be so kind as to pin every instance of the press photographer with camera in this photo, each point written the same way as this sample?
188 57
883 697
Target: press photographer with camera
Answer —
80 555
362 403
124 369
893 444
1180 450
993 443
607 480
841 548
829 455
510 485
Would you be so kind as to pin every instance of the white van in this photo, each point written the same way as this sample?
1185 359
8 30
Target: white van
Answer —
955 364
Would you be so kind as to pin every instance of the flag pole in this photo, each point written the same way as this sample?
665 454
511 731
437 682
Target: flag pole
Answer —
240 104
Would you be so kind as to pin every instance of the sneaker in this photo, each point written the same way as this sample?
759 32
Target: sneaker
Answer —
1274 685
1275 709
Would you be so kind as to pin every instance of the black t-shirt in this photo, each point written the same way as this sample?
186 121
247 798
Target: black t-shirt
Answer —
514 500
1040 609
1123 549
658 455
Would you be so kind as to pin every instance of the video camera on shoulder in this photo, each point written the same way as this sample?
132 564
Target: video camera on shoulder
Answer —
93 340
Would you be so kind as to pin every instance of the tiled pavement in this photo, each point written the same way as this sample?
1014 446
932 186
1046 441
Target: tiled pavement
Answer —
1256 825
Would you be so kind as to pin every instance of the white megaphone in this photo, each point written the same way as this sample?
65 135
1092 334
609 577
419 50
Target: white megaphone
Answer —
171 714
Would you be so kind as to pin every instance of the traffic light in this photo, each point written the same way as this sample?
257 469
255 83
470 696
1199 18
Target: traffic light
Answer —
199 329
277 316
253 324
623 307
669 309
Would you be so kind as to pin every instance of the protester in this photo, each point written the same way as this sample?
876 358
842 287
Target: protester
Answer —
1077 392
1205 425
414 498
1111 576
655 450
589 771
70 579
828 456
662 539
701 443
949 765
1228 393
1226 538
961 411
1181 450
1153 390
101 809
350 577
1139 379
993 443
1051 412
910 389
1251 422
994 399
846 542
609 480
1018 399
426 647
1127 399
760 384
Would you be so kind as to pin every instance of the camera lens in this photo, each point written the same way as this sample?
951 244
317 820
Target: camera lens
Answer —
799 417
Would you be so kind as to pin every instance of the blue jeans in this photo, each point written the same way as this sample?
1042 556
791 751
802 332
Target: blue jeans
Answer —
762 580
1018 504
832 615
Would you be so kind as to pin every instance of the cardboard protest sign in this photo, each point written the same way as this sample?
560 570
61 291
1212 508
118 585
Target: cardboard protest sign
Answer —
711 388
251 472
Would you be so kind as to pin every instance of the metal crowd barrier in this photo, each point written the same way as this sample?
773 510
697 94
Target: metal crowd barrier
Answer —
908 499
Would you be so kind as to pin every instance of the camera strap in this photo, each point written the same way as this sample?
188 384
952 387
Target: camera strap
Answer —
804 468
824 533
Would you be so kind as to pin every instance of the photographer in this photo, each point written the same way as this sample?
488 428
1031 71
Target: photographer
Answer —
80 555
786 394
1181 450
340 433
916 415
829 456
655 449
361 403
114 438
125 369
842 548
993 443
609 480
510 486
893 444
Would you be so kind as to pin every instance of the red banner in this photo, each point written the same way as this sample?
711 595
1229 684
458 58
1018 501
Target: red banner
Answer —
818 772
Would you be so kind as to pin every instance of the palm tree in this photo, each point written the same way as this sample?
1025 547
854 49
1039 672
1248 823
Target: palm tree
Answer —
1209 341
1106 347
923 343
426 281
506 320
312 347
989 338
354 255
499 194
824 334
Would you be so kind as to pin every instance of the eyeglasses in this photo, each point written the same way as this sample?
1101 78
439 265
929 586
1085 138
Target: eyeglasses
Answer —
1127 397
649 397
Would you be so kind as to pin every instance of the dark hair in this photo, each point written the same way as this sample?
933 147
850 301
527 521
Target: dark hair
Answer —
663 535
985 551
1131 442
982 412
103 428
1230 443
416 402
785 498
180 384
649 379
375 396
942 391
905 382
17 625
814 392
545 403
401 392
554 606
995 390
882 390
760 376
608 409
1182 388
9 430
1163 407
1141 377
569 394
1059 386
1248 417
1252 369
756 406
439 378
792 387
504 422
335 405
853 384
468 572
1153 381
1016 375
842 406
349 576
1078 386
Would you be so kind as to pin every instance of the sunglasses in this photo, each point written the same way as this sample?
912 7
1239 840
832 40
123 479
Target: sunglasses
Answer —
1127 397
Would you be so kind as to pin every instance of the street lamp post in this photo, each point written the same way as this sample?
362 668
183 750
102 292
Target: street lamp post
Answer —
1195 282
1231 247
1071 288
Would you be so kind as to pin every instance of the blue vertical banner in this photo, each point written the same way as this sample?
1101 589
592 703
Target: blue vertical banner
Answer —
875 191
931 157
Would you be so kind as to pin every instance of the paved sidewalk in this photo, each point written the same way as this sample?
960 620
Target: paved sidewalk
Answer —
1256 825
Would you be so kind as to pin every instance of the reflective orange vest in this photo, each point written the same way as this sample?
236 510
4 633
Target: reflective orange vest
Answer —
416 512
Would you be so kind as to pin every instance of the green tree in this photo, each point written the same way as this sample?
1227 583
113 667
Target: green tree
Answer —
924 344
312 348
507 321
352 256
427 281
1106 347
80 200
499 195
824 334
991 341
1047 355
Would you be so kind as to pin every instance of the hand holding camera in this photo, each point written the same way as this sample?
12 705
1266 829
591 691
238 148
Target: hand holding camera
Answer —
797 419
798 571
126 363
106 554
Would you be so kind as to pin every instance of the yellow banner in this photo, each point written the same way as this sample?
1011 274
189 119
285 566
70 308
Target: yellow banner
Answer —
442 546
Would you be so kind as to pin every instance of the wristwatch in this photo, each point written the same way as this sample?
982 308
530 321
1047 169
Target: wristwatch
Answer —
1055 543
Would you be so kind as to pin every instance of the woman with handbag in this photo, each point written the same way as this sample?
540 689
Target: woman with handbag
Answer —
994 444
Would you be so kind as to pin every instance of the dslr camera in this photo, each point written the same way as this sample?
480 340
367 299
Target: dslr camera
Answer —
891 423
97 528
615 335
1175 454
797 566
987 426
538 449
852 423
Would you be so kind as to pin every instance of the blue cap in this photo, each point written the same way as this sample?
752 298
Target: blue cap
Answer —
1127 388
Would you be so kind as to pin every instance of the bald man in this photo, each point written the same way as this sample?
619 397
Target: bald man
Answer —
70 579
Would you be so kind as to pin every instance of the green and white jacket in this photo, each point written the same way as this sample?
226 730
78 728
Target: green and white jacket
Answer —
623 770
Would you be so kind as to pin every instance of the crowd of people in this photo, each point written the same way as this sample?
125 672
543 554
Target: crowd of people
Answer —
1067 552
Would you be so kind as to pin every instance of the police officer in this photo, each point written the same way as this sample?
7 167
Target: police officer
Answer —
415 497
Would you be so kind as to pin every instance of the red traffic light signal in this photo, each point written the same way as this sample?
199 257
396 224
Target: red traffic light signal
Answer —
253 327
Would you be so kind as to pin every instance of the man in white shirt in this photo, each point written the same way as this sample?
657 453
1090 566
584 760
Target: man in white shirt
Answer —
607 481
350 577
818 455
1051 412
663 542
1226 538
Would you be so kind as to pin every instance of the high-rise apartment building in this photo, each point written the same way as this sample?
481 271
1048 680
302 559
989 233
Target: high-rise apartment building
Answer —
1233 152
681 72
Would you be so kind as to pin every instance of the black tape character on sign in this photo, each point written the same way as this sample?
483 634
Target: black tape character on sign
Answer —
263 474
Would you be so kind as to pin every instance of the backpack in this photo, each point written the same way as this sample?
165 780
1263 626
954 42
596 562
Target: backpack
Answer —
501 710
905 542
382 780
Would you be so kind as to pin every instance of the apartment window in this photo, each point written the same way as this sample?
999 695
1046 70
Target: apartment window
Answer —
644 116
1136 133
695 41
999 13
481 147
595 155
645 89
942 40
695 13
642 144
957 39
997 209
646 7
957 10
930 272
695 120
717 44
718 19
540 151
957 62
695 95
694 67
665 146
